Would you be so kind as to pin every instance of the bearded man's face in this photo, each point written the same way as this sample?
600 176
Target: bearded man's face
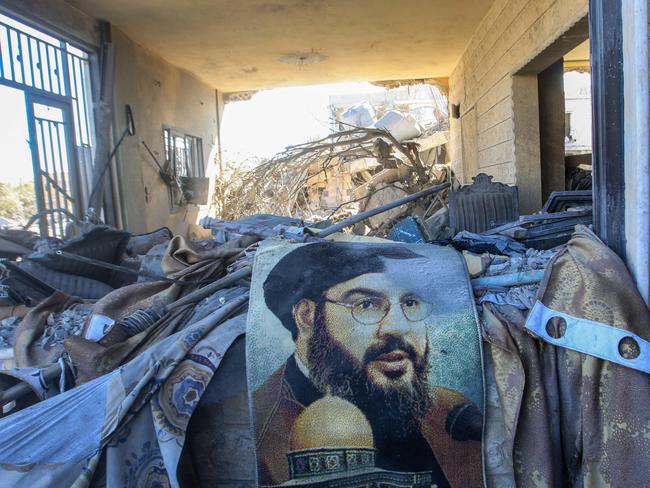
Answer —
369 345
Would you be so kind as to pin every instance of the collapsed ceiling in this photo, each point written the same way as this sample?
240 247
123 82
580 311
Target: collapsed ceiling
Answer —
253 44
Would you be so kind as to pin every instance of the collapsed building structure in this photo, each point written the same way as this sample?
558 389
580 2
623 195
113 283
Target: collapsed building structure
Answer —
123 346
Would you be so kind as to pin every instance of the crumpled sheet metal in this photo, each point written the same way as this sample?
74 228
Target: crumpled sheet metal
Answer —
480 243
572 419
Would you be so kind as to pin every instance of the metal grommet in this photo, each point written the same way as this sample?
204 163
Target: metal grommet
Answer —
629 348
556 327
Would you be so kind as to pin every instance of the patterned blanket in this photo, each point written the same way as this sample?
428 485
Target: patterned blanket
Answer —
133 419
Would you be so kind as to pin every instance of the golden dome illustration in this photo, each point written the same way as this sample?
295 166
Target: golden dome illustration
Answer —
331 422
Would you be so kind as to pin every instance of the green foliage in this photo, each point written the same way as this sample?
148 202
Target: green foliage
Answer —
17 202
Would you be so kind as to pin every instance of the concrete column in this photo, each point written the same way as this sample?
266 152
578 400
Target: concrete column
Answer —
526 134
551 127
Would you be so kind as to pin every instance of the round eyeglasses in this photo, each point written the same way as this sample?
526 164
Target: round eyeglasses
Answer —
372 310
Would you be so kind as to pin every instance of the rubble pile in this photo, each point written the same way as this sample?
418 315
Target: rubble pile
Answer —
8 331
346 172
124 284
521 296
105 304
61 325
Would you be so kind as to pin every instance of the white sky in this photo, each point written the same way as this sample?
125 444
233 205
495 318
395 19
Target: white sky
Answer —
15 156
274 119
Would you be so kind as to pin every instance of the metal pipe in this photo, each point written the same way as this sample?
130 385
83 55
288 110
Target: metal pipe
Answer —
22 388
512 279
381 209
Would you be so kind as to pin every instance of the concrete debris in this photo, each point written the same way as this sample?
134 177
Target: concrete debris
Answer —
361 114
61 325
8 331
532 259
400 125
522 297
366 163
105 297
529 265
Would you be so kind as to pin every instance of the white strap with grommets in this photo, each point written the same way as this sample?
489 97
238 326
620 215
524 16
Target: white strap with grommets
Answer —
589 337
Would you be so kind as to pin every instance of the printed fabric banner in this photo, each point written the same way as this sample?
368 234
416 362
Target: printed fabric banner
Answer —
364 366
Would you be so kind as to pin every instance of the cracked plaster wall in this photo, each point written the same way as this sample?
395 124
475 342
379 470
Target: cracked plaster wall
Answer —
159 94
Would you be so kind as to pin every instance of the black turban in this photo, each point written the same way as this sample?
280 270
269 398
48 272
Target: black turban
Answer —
310 270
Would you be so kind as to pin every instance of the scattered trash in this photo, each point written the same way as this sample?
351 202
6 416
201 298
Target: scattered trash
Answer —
408 230
61 325
144 321
8 331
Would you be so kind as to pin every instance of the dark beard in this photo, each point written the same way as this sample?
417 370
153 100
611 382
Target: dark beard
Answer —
395 411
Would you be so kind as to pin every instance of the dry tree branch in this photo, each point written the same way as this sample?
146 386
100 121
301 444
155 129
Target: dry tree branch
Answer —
277 184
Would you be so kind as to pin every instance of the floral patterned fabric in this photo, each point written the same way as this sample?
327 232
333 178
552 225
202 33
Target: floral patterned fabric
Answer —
556 417
123 429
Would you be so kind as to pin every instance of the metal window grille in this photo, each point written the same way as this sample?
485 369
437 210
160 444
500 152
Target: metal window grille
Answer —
184 153
55 77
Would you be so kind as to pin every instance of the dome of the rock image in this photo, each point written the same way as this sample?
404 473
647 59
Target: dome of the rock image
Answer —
331 422
332 445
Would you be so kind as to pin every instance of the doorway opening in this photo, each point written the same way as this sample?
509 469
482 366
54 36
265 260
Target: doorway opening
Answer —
564 98
323 152
553 94
45 82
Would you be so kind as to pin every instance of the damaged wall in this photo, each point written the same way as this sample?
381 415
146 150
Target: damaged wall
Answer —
159 94
489 137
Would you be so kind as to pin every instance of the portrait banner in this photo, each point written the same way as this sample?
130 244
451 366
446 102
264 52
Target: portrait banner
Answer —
364 366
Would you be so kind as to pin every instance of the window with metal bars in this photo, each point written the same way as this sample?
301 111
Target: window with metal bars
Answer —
183 153
55 77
